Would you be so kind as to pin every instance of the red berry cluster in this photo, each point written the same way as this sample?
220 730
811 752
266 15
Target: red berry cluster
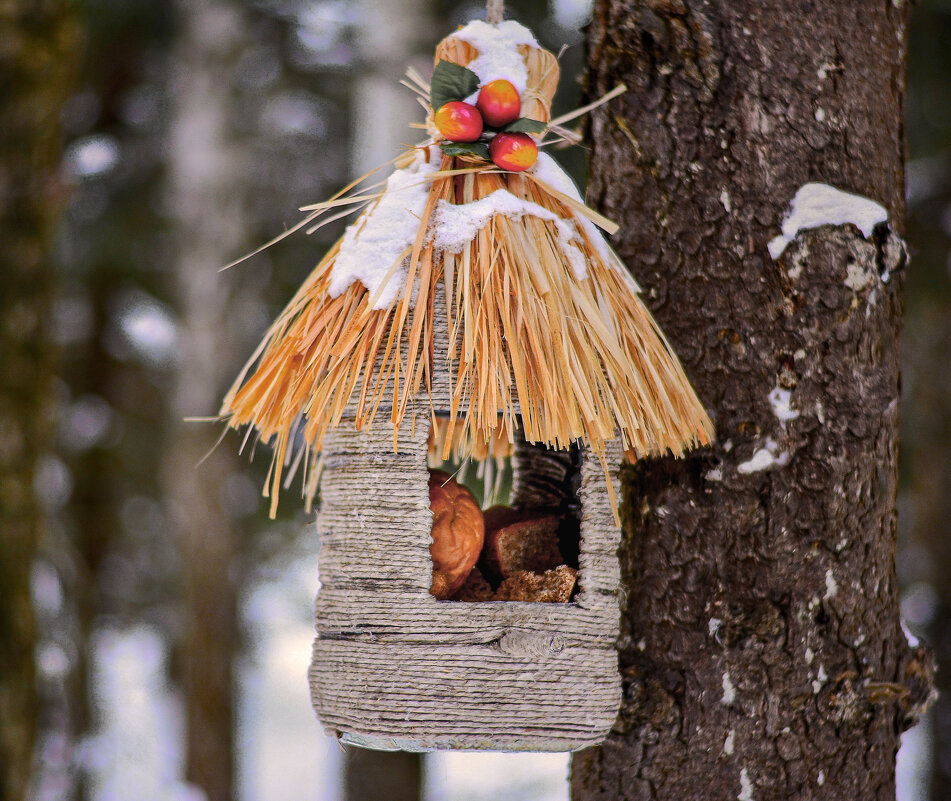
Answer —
498 105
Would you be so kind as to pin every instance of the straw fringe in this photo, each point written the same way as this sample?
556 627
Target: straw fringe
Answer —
589 361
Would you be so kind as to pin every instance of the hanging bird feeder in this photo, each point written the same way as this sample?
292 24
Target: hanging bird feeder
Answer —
473 311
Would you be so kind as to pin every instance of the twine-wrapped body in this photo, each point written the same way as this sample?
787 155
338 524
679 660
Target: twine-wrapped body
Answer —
393 668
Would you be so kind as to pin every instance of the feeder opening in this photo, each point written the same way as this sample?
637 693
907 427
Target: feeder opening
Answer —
506 520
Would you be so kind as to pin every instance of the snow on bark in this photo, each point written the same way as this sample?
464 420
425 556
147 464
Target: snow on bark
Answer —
764 458
779 400
820 204
458 224
746 786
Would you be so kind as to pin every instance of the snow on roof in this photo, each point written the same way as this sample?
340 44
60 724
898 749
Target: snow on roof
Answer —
458 224
498 50
818 204
380 237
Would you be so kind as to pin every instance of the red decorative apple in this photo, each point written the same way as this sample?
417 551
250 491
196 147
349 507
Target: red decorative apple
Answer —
459 122
513 151
499 103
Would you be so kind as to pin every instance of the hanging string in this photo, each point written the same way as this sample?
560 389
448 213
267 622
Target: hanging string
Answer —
494 11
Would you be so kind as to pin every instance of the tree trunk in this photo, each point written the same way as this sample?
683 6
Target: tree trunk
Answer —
761 647
38 52
382 109
205 179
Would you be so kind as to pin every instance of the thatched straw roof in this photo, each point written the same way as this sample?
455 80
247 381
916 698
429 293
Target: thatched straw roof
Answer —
546 328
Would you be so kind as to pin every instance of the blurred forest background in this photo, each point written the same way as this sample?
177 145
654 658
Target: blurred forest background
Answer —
173 619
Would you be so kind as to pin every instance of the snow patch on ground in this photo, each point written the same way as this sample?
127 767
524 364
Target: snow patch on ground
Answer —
486 776
915 758
136 754
818 204
763 459
284 751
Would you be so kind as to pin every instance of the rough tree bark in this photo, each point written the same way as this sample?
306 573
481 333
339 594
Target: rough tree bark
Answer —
38 49
761 647
206 173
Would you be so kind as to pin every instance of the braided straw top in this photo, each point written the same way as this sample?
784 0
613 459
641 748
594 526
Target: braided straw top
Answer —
543 74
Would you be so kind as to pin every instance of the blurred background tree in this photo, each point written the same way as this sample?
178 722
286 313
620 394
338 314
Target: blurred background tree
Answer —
173 618
924 554
39 49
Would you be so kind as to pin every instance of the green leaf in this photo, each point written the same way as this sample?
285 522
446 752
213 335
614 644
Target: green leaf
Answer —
479 149
525 125
451 82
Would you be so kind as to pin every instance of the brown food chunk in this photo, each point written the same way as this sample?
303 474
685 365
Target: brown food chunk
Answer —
475 588
458 533
519 540
498 516
552 586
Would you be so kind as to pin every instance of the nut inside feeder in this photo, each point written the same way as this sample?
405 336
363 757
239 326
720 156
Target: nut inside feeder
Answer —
495 539
473 309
